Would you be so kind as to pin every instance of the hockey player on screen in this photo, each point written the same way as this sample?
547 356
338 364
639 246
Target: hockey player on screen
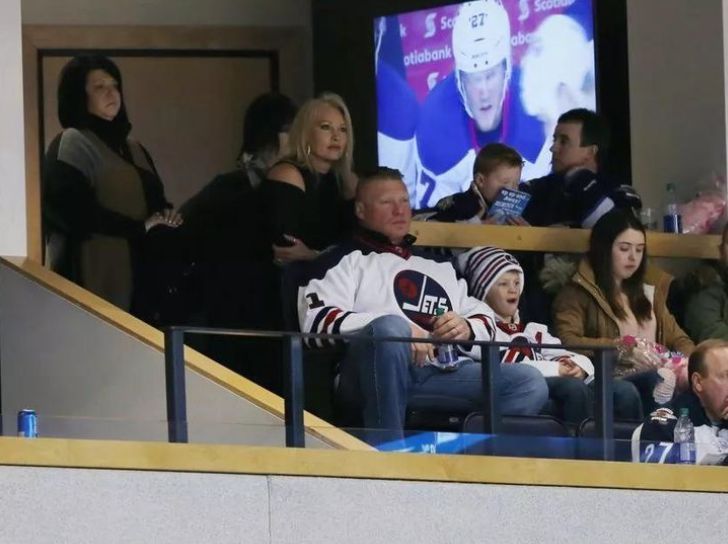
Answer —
397 110
472 106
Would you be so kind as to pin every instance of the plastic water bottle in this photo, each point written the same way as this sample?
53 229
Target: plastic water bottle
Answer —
672 221
684 438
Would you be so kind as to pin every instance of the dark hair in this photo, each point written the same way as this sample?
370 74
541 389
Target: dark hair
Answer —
696 362
72 98
493 155
380 173
266 116
594 129
605 231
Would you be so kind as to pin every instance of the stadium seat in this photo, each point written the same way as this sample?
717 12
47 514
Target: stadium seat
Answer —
320 365
589 446
539 425
538 436
623 428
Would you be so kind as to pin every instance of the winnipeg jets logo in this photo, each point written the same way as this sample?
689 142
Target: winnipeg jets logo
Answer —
430 28
525 11
420 297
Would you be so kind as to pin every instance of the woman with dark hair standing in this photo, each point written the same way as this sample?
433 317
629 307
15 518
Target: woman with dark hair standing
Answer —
615 293
101 192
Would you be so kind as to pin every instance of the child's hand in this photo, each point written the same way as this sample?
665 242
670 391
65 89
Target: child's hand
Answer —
569 369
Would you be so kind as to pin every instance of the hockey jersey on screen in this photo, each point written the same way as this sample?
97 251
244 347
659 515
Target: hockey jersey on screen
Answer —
657 434
545 359
397 116
350 285
448 140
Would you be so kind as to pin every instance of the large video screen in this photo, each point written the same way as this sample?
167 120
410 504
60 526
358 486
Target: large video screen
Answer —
453 78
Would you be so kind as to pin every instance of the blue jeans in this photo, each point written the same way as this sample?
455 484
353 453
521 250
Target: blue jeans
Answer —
380 377
627 402
572 398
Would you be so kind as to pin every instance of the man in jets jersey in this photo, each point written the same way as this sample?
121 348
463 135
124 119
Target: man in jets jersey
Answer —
375 286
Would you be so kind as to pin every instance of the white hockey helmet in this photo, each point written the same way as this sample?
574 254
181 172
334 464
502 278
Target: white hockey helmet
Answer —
481 36
560 55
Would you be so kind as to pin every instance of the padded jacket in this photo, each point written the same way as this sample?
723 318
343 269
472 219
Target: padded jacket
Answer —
582 315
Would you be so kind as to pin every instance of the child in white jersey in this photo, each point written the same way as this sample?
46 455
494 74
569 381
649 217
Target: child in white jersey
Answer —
496 277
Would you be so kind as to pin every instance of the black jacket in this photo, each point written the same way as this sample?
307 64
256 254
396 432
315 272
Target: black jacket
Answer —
658 431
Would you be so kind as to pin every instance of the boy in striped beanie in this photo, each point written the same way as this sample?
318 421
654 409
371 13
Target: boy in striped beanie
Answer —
496 277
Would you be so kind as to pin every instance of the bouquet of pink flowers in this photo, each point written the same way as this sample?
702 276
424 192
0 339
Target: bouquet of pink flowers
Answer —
700 214
639 355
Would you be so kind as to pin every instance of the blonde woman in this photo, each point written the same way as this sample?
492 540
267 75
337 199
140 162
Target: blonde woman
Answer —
308 195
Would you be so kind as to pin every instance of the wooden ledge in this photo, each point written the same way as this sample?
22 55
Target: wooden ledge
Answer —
194 360
115 455
561 240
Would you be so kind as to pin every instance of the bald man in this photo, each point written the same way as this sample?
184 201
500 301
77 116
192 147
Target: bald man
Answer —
375 286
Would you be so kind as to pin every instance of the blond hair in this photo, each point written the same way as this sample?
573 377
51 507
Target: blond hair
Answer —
300 134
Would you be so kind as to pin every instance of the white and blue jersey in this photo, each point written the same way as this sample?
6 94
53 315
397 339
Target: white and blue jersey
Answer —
397 116
352 284
656 435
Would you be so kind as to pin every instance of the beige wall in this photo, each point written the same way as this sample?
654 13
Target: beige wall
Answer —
677 94
168 12
186 111
259 13
172 137
12 158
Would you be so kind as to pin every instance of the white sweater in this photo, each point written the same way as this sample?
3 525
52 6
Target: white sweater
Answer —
545 359
350 285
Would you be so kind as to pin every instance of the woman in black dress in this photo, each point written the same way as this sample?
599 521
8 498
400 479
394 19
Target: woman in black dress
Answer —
308 196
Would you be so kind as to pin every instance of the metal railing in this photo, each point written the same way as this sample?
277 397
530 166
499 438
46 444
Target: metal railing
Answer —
603 361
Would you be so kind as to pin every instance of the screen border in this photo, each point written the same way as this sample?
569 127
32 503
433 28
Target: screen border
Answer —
343 53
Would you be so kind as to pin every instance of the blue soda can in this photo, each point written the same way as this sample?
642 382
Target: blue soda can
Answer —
27 424
672 223
446 354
